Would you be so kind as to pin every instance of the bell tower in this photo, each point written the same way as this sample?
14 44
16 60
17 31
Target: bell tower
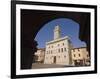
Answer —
56 32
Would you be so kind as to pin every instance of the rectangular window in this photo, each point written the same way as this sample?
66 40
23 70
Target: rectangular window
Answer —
78 49
79 55
51 51
65 49
62 49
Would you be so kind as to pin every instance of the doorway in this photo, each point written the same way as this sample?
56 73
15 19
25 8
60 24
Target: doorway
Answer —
78 62
54 61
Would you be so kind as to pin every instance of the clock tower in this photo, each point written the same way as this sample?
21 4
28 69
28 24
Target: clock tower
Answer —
57 32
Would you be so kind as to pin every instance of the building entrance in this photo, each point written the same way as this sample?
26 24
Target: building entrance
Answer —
54 61
78 62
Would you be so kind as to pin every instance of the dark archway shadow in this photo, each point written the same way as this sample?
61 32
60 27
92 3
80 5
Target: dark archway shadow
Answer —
33 20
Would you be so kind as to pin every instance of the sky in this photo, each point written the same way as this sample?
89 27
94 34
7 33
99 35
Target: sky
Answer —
68 28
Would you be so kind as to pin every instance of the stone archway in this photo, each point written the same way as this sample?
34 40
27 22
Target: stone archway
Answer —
33 20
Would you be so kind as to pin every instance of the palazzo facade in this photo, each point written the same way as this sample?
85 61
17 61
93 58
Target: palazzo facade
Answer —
60 51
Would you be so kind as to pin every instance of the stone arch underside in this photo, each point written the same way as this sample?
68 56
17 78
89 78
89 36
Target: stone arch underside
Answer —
33 20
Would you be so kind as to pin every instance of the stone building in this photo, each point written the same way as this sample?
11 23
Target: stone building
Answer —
80 56
39 55
58 51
